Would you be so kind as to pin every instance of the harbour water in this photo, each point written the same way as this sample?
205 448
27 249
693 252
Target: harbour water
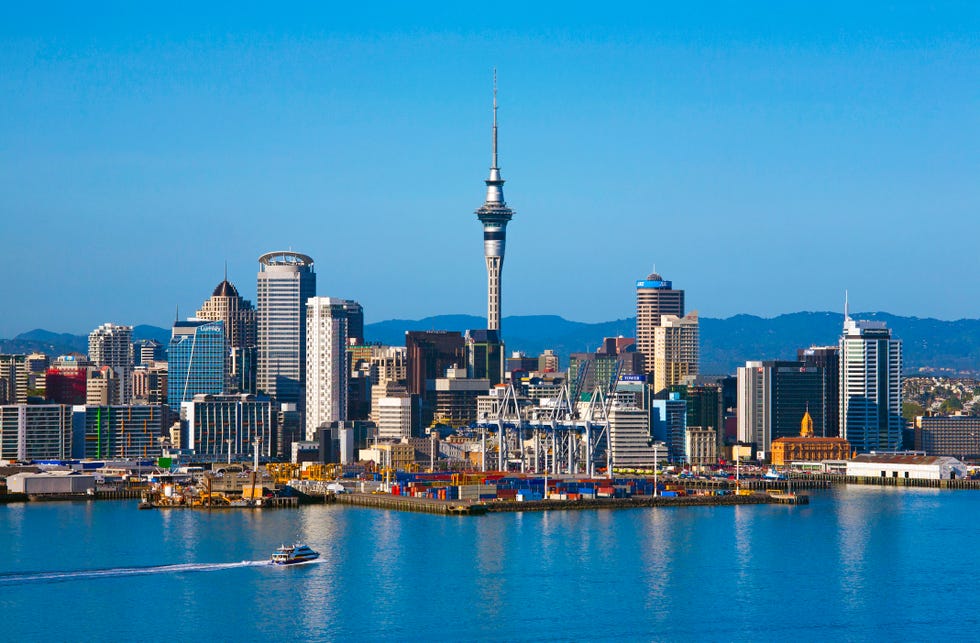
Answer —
857 563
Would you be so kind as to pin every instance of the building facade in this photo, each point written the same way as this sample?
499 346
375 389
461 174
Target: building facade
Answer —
655 297
485 355
226 426
828 359
676 351
808 447
117 431
198 364
772 397
35 432
14 379
326 363
112 345
870 387
285 282
241 330
949 435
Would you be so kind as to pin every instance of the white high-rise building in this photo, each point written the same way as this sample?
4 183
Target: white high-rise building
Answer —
675 350
870 387
285 282
326 363
112 345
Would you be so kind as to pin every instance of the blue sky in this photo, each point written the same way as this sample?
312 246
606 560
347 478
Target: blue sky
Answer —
765 156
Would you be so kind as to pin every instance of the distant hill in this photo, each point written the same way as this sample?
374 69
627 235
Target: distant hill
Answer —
929 344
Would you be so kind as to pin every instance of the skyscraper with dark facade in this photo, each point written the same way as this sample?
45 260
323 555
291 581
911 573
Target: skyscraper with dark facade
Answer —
827 358
773 397
485 356
429 354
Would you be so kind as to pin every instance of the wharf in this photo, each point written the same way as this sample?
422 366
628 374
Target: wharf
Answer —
406 503
462 507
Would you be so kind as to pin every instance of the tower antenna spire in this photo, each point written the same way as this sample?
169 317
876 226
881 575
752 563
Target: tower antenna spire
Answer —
847 310
494 160
226 270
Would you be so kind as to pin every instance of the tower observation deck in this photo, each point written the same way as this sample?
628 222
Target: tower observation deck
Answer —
494 214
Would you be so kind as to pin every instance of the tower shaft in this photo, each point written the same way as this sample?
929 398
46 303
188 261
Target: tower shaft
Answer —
494 214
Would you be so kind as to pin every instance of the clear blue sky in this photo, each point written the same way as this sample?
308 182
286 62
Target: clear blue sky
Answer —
765 156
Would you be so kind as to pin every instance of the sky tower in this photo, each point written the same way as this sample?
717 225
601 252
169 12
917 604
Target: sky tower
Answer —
494 214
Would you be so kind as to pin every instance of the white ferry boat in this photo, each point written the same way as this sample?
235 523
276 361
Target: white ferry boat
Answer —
292 554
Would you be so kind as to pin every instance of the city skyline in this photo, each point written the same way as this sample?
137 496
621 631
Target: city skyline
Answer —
620 131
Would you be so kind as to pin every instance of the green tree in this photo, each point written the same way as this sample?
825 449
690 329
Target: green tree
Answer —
911 410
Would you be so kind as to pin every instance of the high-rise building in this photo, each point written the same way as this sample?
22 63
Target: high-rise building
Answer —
198 363
827 358
615 358
772 397
65 381
668 419
870 387
227 425
548 361
285 282
675 351
35 432
150 350
494 215
13 379
226 305
112 345
100 386
630 440
326 363
485 355
705 409
355 321
655 297
117 431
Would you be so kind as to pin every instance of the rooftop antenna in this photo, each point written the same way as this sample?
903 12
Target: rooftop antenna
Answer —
226 270
847 310
176 313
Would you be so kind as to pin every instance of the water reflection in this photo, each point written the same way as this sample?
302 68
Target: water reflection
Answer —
657 555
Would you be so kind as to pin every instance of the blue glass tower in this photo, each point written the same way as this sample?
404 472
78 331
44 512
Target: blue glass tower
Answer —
198 360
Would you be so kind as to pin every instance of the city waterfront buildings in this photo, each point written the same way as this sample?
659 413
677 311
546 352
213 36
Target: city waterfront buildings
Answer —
772 397
284 284
870 387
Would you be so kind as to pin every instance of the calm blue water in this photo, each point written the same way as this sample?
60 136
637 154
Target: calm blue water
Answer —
856 564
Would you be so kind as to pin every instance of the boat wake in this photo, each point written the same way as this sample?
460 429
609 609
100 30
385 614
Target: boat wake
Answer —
12 578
